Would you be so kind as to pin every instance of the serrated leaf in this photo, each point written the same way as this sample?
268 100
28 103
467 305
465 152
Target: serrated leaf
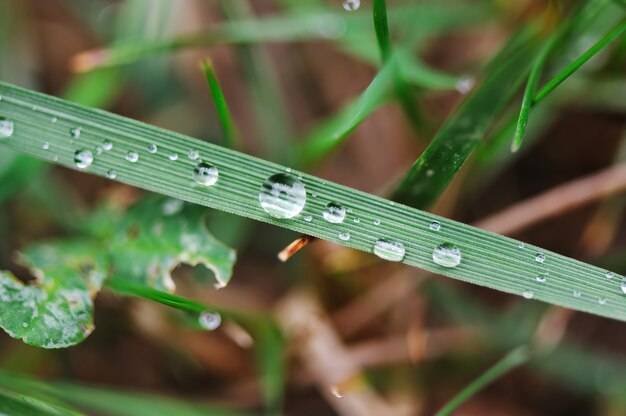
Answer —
159 234
55 311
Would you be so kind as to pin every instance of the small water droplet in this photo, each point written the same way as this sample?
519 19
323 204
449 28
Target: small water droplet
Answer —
98 151
334 213
389 250
205 174
288 170
193 154
83 158
609 275
602 301
172 206
430 172
111 174
465 84
623 286
282 196
75 132
132 156
576 294
210 320
55 158
107 145
528 294
25 324
344 236
314 195
6 128
447 255
173 156
152 148
542 277
308 218
45 146
376 222
435 226
351 5
357 220
521 245
540 257
53 119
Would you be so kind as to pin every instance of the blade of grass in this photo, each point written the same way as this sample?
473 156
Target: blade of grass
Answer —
488 259
510 361
227 124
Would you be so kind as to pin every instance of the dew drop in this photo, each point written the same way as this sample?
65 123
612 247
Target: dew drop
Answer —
540 257
54 119
173 156
602 301
111 174
308 218
75 132
609 275
344 236
6 128
430 172
282 196
132 156
447 255
172 206
541 277
376 222
152 148
45 146
623 286
334 213
193 154
288 170
351 5
210 320
83 158
465 84
435 226
107 145
521 245
528 294
576 294
98 151
389 250
357 220
205 174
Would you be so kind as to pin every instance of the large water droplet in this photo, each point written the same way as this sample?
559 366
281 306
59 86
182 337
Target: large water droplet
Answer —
389 250
132 156
6 128
351 5
210 320
107 145
528 294
334 213
152 148
447 255
435 226
75 132
282 196
83 158
205 174
540 257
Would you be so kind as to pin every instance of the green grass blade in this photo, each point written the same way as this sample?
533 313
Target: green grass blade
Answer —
382 29
226 120
488 259
510 361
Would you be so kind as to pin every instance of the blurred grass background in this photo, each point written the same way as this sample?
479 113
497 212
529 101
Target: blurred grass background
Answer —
294 73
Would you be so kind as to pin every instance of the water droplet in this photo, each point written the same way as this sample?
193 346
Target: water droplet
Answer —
282 196
107 145
25 324
308 218
542 277
351 5
210 320
132 156
173 156
540 257
602 301
152 148
465 84
447 255
357 220
111 174
576 294
521 245
430 172
314 195
334 213
55 158
376 222
344 236
83 158
6 128
389 250
193 154
45 146
172 206
205 174
623 286
609 275
528 294
435 226
288 170
75 132
54 119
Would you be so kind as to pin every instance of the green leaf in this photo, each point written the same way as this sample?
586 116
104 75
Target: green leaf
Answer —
487 259
55 311
14 404
158 234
